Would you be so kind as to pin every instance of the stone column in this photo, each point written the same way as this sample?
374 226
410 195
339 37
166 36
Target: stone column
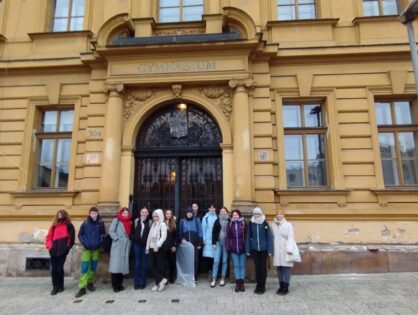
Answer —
109 183
127 165
243 166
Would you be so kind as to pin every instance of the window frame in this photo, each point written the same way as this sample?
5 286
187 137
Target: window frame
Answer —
180 11
69 17
304 131
380 6
296 7
41 135
395 129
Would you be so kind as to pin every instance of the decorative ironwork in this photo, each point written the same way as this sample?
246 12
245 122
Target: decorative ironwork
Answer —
178 160
174 127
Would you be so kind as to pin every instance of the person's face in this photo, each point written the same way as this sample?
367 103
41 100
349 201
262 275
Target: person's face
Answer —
189 215
60 215
168 215
235 216
280 215
125 213
155 218
93 215
195 207
223 212
144 214
212 209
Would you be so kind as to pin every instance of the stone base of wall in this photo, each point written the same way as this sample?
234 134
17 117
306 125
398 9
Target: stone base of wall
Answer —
316 259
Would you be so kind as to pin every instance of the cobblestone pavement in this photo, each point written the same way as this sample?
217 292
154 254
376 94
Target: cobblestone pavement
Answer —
391 293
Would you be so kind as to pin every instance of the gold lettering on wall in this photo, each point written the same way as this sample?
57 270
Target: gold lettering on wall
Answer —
176 66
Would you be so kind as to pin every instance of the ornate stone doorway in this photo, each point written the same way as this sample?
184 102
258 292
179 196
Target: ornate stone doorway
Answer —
178 160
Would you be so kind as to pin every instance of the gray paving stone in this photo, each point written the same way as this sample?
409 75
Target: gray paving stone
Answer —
392 293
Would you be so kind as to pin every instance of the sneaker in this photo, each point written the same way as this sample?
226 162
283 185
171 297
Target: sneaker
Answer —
91 287
154 288
222 282
81 292
161 287
164 281
213 283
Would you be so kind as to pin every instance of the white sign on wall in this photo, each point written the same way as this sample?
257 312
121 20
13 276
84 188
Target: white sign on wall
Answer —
92 158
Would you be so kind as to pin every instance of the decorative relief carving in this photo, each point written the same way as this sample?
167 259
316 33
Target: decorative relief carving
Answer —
177 89
220 95
114 89
178 32
133 99
242 83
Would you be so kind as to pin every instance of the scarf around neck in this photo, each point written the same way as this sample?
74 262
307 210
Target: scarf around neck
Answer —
258 220
126 222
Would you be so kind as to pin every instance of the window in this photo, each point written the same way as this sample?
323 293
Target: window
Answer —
180 10
68 15
380 7
304 145
295 9
54 149
398 142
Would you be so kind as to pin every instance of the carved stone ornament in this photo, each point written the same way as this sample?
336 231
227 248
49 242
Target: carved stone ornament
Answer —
244 83
220 96
178 32
114 89
133 99
177 89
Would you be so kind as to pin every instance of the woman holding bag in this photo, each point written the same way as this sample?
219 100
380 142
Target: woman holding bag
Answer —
284 248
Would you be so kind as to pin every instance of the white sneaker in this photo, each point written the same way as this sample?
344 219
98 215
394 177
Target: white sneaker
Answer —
154 288
222 282
161 286
164 281
213 283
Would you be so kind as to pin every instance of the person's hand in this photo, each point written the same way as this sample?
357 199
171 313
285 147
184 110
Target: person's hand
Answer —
214 246
183 241
248 254
173 249
199 247
155 249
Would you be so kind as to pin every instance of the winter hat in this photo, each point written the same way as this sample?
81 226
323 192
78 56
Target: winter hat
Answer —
189 209
257 210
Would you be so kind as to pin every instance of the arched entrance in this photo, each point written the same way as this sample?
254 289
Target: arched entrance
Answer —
178 160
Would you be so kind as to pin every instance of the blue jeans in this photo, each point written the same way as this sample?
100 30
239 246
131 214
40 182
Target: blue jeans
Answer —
283 273
220 251
140 264
239 265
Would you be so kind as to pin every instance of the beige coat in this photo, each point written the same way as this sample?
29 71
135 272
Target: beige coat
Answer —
282 235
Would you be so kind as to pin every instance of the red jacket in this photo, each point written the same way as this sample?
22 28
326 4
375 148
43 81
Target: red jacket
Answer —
60 239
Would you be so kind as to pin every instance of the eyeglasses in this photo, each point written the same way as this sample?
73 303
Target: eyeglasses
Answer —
257 213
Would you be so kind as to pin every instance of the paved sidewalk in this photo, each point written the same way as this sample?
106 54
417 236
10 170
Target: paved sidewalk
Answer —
391 293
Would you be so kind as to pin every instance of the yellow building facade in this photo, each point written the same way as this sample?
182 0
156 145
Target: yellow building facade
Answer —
307 105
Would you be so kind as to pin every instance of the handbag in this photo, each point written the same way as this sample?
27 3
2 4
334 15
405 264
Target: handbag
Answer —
107 241
295 257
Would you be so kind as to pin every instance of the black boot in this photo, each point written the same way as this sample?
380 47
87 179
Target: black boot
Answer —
81 292
54 291
91 287
285 289
237 285
280 289
242 287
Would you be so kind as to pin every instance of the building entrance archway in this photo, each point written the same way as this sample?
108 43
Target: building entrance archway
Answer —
178 160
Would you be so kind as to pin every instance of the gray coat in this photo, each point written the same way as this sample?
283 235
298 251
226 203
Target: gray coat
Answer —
119 252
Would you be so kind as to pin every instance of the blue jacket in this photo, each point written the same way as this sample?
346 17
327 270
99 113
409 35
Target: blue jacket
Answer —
191 231
91 233
259 238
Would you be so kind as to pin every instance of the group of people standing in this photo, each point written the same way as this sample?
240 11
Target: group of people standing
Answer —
155 240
